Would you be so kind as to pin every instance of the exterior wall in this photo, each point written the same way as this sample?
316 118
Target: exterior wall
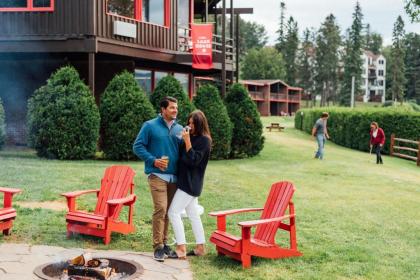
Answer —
373 78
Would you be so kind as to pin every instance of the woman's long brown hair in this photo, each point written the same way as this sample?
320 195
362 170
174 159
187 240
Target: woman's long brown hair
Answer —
201 126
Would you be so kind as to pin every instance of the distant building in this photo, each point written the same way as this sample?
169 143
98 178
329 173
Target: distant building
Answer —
373 77
274 97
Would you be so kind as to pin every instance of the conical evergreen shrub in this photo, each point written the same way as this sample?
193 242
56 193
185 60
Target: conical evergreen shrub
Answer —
169 86
124 107
209 101
2 125
63 119
247 140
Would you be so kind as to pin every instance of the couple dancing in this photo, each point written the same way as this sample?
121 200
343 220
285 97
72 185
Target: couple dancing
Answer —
175 162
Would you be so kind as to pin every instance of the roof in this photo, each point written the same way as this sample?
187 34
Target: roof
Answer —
267 82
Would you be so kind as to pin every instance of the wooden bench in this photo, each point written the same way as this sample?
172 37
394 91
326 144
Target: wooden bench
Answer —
275 126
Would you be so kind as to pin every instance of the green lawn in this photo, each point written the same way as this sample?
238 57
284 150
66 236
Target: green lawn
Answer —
355 219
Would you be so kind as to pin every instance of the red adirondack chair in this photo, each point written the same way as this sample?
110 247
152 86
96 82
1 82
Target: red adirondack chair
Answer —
7 213
112 196
263 243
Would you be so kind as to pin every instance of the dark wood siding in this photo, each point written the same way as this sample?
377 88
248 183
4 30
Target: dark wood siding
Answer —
71 18
148 35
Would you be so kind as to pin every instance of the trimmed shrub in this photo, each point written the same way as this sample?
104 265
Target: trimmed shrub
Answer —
63 119
169 86
124 107
350 128
2 125
247 140
209 101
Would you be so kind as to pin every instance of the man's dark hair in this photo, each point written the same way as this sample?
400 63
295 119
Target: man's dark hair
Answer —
324 115
164 103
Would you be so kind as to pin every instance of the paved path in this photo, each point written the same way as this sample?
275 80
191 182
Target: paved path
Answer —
17 261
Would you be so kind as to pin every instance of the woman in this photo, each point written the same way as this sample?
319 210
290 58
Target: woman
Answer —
193 158
377 140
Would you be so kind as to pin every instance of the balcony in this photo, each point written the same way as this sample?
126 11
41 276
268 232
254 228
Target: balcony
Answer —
274 96
256 95
294 97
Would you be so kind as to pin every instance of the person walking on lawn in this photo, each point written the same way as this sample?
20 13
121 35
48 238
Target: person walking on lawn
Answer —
320 132
158 145
377 140
193 159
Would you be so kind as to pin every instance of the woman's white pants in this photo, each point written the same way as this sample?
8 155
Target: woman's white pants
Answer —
182 201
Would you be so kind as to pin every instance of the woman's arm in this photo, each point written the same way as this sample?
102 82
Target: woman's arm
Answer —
197 153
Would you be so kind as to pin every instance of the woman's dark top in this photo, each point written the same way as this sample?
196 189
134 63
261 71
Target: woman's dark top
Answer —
192 165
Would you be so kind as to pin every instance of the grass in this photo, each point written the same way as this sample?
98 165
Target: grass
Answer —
355 219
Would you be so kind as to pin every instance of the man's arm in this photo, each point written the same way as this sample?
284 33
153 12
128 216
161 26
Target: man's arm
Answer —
140 145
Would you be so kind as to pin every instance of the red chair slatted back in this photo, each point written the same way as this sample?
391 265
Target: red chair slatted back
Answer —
116 183
277 201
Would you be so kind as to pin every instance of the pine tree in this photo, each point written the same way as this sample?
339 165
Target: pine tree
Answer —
280 31
353 61
397 57
326 61
412 62
305 64
290 49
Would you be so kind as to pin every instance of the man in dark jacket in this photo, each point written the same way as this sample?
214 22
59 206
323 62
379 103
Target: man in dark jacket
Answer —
158 145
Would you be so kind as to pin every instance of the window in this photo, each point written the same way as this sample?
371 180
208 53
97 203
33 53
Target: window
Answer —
381 73
26 5
155 11
184 80
159 76
122 8
381 61
144 79
381 82
183 13
380 92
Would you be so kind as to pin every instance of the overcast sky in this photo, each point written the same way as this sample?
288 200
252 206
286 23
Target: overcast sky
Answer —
380 14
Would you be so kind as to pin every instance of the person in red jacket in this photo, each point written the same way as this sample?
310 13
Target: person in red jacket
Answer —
377 140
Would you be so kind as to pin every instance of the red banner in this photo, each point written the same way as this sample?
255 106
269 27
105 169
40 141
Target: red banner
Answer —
202 35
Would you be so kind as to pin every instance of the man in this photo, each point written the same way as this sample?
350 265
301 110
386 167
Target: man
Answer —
157 144
320 132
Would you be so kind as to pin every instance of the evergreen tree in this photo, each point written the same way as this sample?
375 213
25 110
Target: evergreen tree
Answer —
124 108
209 101
353 61
372 41
412 7
280 31
247 140
412 62
169 86
305 64
290 50
397 58
265 63
327 44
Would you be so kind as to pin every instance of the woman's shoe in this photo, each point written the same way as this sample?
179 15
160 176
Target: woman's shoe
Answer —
193 253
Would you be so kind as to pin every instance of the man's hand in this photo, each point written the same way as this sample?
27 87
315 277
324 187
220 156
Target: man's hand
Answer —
160 163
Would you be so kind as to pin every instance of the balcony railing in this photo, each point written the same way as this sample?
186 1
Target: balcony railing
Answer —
256 95
185 43
294 97
278 96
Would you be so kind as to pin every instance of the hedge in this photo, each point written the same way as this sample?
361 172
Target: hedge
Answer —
63 118
350 127
209 101
124 108
2 125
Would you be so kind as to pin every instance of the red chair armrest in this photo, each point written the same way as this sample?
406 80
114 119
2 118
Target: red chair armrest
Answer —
10 190
234 211
264 221
126 200
78 193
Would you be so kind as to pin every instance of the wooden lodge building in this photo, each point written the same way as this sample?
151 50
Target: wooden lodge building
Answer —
274 97
101 38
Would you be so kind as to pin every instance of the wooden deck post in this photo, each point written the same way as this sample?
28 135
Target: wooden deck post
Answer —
418 154
92 72
391 148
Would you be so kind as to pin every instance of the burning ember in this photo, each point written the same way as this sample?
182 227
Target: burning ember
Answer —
84 267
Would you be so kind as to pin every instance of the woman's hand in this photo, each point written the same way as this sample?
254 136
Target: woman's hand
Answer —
187 139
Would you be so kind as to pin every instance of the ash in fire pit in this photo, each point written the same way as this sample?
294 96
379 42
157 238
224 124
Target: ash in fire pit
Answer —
84 267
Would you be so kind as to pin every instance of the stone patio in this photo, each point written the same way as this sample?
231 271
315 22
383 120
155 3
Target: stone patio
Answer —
17 261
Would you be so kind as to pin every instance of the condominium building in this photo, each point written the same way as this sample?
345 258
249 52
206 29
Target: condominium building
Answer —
373 77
